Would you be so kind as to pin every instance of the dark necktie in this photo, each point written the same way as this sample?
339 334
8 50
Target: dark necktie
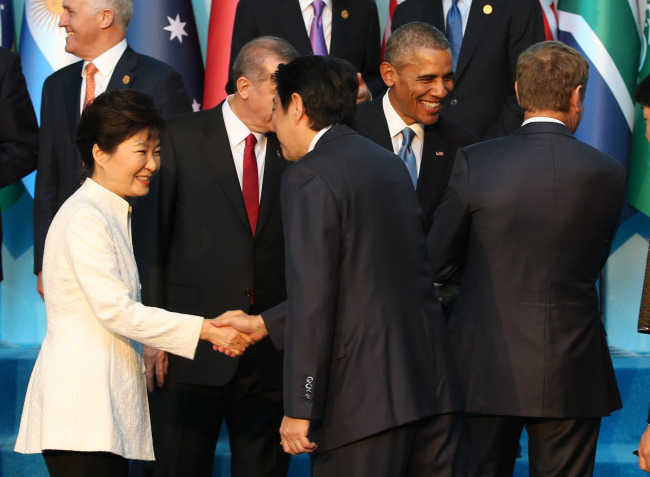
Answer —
316 35
454 30
250 182
407 155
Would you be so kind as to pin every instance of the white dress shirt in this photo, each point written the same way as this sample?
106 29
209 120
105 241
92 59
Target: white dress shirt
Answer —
87 391
542 119
105 63
237 133
463 7
395 126
308 15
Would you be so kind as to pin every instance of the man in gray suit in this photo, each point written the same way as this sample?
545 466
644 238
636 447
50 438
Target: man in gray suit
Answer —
529 220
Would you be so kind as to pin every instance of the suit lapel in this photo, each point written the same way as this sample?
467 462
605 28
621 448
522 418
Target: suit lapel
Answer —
376 128
294 26
432 166
125 71
273 169
217 153
340 29
476 25
72 98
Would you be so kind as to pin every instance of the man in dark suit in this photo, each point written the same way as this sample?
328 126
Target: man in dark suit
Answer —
19 130
98 37
370 386
494 33
419 73
220 247
350 30
531 218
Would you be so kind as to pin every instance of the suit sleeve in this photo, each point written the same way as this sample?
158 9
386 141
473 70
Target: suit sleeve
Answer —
275 321
311 227
46 190
525 29
92 257
19 131
170 95
243 31
448 239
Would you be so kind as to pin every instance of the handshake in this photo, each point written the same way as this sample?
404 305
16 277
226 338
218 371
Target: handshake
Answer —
233 332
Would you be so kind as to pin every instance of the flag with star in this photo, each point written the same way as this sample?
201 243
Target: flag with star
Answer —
166 30
6 24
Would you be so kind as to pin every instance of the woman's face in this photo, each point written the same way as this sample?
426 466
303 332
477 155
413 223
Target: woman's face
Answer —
127 171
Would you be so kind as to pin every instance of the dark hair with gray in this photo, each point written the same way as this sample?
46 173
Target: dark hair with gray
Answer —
412 37
250 60
112 118
547 74
122 10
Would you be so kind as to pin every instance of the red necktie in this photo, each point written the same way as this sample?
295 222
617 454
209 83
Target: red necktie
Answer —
250 182
90 84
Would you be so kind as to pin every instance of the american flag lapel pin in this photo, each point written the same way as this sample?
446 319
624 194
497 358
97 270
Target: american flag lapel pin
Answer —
440 153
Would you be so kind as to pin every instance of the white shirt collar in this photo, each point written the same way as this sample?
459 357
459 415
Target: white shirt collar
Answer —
542 119
318 135
236 129
304 4
395 123
107 61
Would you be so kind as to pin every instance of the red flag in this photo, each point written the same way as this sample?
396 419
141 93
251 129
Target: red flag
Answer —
550 18
391 8
222 17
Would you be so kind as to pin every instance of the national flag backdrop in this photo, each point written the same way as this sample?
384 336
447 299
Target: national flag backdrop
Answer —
166 30
607 33
6 24
639 172
222 16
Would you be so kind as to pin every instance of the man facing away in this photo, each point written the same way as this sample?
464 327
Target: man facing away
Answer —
529 220
370 386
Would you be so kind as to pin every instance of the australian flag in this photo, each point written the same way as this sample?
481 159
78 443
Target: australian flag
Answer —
166 30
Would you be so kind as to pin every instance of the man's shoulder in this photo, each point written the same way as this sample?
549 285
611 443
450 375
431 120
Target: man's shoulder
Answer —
62 74
148 63
453 132
412 6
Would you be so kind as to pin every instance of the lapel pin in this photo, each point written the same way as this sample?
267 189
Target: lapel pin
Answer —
344 14
487 9
440 153
126 79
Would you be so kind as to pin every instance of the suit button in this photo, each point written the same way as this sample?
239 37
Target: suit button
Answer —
453 102
248 292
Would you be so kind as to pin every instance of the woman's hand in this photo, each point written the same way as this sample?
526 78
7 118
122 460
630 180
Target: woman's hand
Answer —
230 340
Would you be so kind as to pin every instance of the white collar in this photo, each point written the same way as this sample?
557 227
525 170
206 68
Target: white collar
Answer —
107 61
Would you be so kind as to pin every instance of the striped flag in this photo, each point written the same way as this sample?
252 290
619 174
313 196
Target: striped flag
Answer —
607 33
550 18
639 172
166 30
6 24
222 17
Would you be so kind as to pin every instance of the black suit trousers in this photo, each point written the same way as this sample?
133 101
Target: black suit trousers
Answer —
556 447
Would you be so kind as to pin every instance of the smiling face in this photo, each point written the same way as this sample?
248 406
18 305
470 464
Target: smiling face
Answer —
420 84
127 171
82 25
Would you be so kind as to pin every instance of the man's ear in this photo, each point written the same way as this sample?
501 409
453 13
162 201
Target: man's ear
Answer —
517 93
107 19
387 72
299 107
575 98
243 86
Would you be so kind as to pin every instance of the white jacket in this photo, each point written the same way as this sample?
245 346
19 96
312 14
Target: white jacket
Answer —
87 390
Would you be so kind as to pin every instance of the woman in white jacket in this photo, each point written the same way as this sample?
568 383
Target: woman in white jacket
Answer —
86 405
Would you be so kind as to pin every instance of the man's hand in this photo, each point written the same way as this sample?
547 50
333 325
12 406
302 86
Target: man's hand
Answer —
253 325
293 434
644 450
364 93
39 285
226 339
156 363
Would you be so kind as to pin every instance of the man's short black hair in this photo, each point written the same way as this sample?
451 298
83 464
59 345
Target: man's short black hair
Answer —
328 88
643 92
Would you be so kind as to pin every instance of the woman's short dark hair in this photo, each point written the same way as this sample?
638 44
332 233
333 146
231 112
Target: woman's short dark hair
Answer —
112 118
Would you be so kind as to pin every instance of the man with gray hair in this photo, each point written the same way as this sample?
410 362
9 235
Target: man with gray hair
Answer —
529 220
96 32
220 247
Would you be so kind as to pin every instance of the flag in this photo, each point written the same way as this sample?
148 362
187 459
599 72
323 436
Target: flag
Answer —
549 13
42 51
166 30
607 33
222 17
6 24
639 172
392 4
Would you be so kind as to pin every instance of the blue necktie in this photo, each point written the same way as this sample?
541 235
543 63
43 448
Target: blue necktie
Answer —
316 34
454 30
407 155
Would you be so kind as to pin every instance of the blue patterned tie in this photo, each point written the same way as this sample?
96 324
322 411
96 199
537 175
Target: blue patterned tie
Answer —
407 155
454 30
316 35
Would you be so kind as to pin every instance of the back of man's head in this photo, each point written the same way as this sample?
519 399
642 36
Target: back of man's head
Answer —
547 75
251 59
410 38
328 88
